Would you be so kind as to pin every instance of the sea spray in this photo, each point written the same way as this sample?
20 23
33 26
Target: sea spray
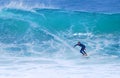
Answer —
40 41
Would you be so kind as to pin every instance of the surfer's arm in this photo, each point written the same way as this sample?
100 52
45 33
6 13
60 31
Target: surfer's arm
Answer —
75 45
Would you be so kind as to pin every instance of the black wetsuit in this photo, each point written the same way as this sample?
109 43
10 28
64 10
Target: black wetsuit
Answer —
82 48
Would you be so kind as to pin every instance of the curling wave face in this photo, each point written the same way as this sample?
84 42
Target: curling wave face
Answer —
51 30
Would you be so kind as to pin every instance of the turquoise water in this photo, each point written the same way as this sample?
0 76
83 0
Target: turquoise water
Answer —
17 24
42 40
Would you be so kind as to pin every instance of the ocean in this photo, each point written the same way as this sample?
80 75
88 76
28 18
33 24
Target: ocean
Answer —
37 38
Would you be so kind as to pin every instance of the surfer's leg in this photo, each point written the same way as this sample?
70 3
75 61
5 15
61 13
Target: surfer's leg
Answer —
84 52
81 51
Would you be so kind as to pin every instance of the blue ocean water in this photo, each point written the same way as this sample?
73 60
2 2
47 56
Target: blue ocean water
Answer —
37 38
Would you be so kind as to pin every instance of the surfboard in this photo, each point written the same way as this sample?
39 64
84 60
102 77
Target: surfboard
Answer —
86 56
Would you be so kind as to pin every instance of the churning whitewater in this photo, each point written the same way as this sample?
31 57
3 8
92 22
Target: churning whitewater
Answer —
39 43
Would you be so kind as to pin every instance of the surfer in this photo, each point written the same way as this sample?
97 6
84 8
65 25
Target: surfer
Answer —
82 48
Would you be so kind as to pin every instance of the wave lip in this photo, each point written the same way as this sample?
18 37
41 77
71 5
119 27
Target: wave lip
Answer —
25 5
107 6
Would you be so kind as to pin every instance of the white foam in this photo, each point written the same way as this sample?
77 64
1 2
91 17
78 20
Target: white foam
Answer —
59 69
26 6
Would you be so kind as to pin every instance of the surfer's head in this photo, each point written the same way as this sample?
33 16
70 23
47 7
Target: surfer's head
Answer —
78 42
